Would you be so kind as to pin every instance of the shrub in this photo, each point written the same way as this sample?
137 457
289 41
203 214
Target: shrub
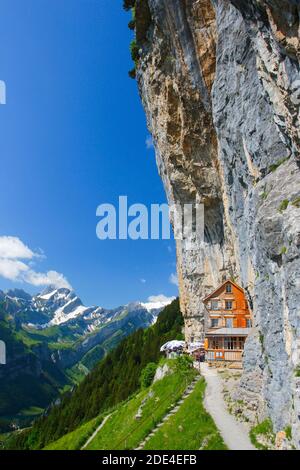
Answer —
134 50
183 364
261 340
148 374
288 432
283 206
128 4
264 429
132 73
264 195
131 25
277 164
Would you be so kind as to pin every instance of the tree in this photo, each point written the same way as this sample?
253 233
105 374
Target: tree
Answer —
184 364
132 73
131 25
128 4
148 374
134 50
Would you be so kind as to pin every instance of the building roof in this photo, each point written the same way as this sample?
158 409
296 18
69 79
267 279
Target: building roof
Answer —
220 286
229 332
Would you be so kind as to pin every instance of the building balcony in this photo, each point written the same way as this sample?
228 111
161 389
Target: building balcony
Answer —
219 355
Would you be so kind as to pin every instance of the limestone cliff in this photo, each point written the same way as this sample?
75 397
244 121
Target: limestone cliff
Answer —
219 80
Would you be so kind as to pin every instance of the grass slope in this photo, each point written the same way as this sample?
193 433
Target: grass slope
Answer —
191 428
123 431
76 439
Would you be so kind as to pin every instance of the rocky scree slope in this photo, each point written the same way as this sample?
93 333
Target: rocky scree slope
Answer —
219 81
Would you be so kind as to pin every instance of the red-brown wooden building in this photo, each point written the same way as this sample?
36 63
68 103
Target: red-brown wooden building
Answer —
227 324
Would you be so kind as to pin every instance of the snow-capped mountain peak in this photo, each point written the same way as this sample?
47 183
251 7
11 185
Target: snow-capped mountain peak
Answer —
61 306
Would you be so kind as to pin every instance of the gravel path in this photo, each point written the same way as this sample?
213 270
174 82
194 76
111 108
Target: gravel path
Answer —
96 432
234 433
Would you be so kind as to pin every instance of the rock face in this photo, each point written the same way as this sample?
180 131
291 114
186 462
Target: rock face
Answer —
220 85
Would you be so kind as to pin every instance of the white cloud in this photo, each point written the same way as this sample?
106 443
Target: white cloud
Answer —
160 298
12 269
173 279
13 252
14 248
52 278
149 142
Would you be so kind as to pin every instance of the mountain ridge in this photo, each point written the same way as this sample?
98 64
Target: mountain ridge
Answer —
107 385
61 305
53 355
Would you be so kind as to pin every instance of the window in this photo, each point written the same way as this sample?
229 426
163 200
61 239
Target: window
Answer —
234 343
228 304
228 288
214 305
214 322
248 323
229 343
229 323
216 343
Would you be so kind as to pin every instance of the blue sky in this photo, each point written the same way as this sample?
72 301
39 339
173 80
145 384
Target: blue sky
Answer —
73 136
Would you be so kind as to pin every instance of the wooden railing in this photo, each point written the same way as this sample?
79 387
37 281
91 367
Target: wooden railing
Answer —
217 355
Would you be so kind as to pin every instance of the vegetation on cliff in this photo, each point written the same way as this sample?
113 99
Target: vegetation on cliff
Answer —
139 24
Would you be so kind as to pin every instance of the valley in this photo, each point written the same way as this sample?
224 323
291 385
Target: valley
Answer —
105 388
52 343
153 403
